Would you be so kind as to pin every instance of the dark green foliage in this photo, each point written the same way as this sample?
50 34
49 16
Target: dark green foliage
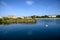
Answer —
5 18
58 16
19 18
39 16
44 16
0 21
33 17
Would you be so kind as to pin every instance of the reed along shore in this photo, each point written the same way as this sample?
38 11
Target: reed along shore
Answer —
9 21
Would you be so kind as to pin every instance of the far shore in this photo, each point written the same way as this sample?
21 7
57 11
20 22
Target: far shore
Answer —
47 18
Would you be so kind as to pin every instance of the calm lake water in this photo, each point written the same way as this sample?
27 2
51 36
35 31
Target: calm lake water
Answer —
44 29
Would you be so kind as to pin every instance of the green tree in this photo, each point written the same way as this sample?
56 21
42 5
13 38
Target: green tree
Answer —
37 16
46 16
19 18
33 16
57 16
5 18
0 21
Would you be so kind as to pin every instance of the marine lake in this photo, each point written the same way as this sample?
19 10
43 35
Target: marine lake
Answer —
43 29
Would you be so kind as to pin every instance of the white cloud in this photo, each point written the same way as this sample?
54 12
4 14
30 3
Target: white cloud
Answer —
29 2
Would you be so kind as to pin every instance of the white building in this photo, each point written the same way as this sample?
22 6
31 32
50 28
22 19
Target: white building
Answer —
14 17
53 16
21 17
11 16
1 17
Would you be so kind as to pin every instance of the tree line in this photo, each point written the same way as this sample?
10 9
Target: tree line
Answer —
46 16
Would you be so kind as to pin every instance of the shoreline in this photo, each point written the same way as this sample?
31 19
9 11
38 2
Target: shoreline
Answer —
10 21
47 18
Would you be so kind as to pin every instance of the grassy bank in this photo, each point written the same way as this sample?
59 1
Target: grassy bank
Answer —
11 20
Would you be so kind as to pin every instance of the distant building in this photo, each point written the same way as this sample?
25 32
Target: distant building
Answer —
21 17
1 17
53 16
10 16
14 17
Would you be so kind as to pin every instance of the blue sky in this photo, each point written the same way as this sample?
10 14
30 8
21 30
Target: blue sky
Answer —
29 7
